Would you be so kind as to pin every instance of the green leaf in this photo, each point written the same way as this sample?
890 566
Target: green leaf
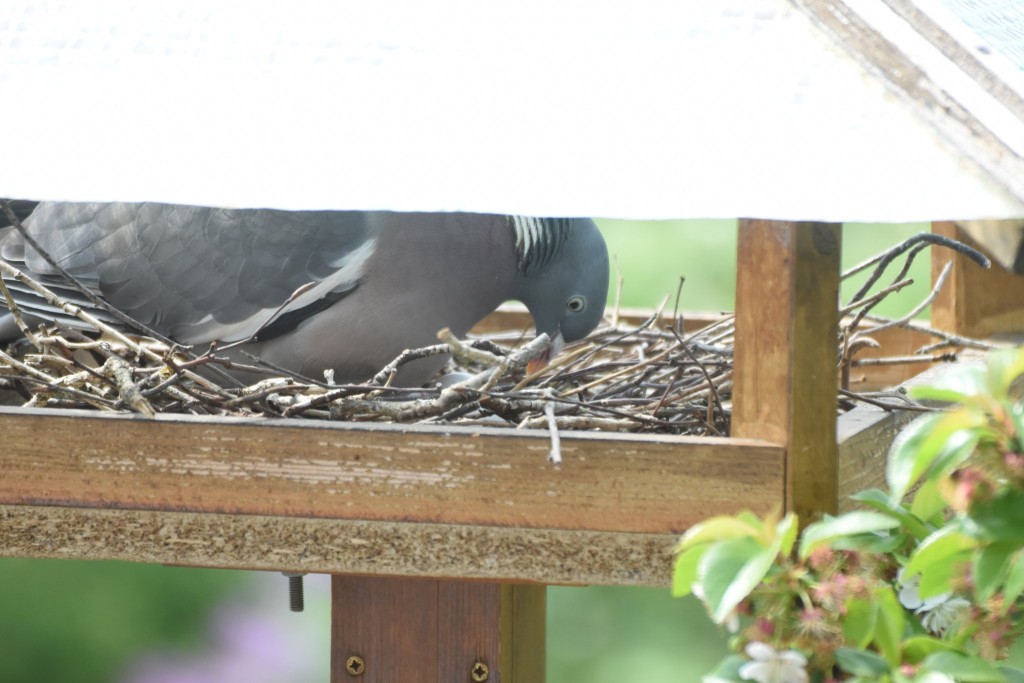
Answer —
831 528
1014 581
936 558
684 575
998 519
940 437
720 528
861 662
917 648
729 570
889 629
870 543
963 667
787 530
991 566
1012 674
928 504
859 623
879 500
938 580
906 462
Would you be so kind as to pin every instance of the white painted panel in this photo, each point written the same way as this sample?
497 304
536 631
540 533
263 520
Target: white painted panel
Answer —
646 109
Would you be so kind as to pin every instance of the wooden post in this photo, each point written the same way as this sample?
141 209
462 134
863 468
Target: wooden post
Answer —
975 302
785 376
387 630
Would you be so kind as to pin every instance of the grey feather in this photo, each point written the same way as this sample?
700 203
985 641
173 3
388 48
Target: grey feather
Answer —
379 282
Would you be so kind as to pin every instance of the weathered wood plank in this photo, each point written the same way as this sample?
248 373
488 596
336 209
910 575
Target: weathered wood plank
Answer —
494 477
975 302
524 629
317 545
420 629
369 644
785 378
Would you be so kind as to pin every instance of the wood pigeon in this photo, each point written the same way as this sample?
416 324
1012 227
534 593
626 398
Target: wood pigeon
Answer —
373 283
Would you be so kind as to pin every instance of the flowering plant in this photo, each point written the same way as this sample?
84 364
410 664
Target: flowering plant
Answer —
922 585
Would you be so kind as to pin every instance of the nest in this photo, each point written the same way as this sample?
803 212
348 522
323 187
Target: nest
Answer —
656 376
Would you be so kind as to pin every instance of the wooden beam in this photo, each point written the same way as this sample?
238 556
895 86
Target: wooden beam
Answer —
785 377
294 468
975 302
370 499
389 630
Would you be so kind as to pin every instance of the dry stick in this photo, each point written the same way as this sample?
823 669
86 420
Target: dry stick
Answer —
711 385
886 257
875 298
77 312
560 365
939 282
614 375
852 342
387 373
555 453
948 339
84 397
906 360
52 383
128 391
15 311
643 326
906 404
458 393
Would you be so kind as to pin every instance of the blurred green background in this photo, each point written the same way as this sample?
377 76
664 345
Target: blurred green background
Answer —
67 621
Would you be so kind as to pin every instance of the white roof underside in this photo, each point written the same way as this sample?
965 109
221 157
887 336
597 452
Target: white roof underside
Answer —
645 109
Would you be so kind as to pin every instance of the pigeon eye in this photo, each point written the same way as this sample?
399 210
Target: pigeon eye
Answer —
576 303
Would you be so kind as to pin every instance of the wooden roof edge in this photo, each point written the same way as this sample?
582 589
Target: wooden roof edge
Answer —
983 122
951 37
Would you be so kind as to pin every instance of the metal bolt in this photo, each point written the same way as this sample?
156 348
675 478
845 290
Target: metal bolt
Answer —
296 597
355 665
480 672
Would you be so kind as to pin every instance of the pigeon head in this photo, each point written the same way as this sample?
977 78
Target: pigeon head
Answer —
563 274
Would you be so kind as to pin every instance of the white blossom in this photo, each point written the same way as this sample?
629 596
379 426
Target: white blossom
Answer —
934 677
767 665
937 612
910 594
939 618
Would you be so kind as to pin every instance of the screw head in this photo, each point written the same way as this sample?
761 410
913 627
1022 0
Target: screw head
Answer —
355 666
480 672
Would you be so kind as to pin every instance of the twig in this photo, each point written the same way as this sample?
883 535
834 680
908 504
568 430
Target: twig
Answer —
555 454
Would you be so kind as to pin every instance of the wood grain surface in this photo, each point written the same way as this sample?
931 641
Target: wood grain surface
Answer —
786 378
383 499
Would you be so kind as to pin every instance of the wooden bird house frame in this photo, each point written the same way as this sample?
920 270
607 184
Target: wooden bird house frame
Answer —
442 540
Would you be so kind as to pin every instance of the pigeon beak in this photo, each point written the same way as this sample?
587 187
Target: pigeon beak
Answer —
541 362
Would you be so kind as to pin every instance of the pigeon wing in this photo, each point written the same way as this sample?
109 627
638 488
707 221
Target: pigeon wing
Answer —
198 273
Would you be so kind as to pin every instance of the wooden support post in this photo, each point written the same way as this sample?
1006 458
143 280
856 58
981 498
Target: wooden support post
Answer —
391 630
785 378
975 302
